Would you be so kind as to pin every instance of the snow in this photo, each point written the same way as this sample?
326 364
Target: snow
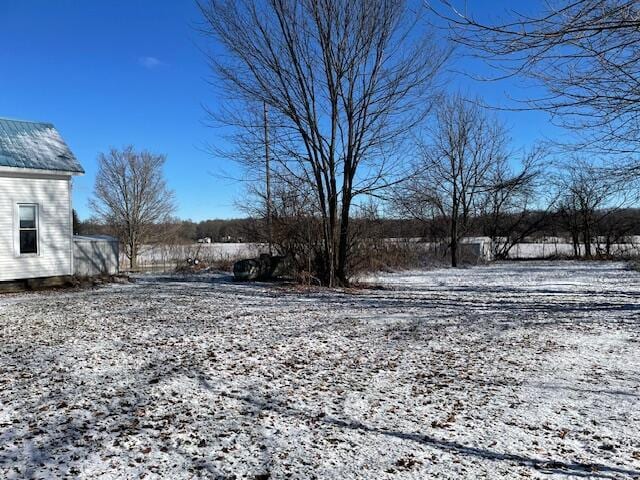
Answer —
45 143
526 369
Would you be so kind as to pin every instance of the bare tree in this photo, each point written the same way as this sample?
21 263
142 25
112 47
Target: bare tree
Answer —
453 178
585 53
75 219
587 199
617 228
132 197
343 81
512 209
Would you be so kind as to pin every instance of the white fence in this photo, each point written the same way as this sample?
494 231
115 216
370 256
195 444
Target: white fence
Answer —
563 249
95 255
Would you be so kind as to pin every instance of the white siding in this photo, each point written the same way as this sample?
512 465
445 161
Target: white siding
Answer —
52 195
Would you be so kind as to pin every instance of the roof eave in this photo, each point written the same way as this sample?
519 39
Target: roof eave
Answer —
37 171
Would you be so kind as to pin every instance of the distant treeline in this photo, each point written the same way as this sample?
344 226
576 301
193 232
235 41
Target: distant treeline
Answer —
187 231
537 225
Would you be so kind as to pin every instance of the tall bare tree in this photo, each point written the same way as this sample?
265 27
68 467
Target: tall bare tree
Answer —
585 53
343 81
131 196
452 179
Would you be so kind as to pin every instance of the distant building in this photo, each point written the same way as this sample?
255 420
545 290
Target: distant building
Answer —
230 239
36 168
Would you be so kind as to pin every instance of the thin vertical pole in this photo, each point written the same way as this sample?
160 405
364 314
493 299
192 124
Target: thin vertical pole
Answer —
268 178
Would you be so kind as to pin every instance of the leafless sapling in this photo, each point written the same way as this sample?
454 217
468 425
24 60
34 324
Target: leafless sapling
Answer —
131 197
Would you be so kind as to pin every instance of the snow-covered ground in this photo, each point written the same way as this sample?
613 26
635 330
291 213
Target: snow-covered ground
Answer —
505 371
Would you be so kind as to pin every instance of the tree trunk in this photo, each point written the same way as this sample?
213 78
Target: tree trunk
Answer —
133 257
343 246
586 233
576 244
454 243
587 244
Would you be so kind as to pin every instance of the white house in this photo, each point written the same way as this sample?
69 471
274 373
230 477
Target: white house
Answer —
36 230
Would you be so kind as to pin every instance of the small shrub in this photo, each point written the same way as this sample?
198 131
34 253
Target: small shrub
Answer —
390 256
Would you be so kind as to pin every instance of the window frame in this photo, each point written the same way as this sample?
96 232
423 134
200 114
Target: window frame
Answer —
35 229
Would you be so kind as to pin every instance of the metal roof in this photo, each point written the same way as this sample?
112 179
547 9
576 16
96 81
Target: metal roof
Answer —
35 145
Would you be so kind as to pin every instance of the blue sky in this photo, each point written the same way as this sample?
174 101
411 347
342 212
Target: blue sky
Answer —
133 72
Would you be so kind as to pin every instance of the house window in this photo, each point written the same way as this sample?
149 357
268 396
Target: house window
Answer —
28 215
